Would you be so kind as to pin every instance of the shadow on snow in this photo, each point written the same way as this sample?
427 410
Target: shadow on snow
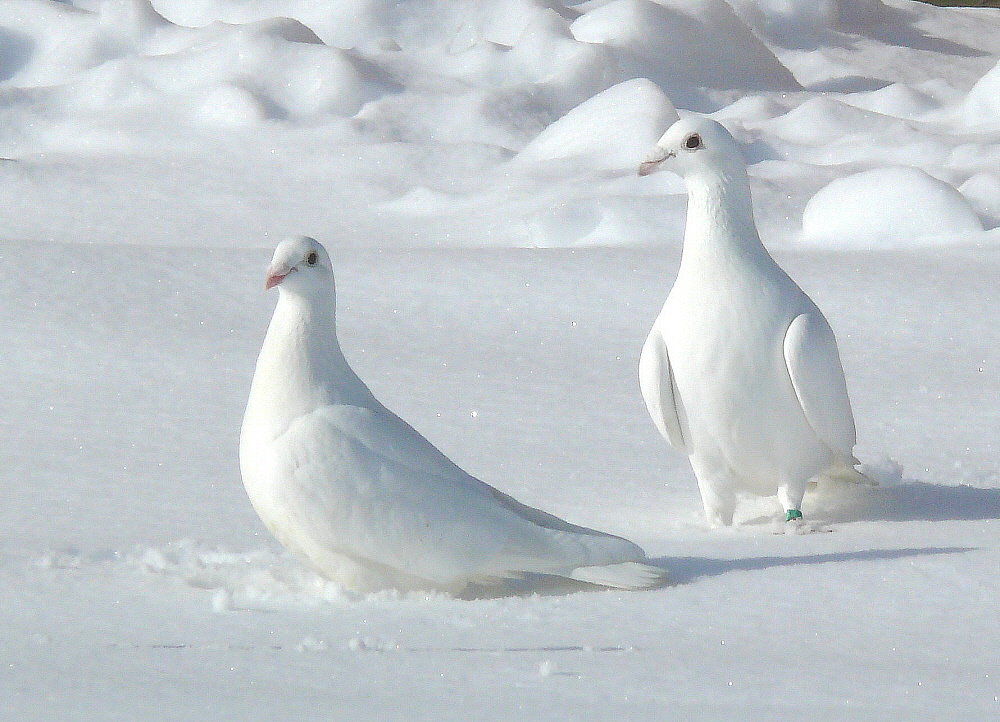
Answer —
915 501
684 570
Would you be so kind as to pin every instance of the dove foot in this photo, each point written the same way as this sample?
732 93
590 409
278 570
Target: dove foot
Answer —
796 525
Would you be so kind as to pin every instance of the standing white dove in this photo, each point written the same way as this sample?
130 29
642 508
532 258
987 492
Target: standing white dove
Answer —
741 370
366 500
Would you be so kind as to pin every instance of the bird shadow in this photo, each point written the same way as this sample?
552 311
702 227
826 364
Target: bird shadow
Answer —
685 570
912 501
892 501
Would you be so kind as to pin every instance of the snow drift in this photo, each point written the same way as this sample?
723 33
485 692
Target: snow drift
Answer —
304 107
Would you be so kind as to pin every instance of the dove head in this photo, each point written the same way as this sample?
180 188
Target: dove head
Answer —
300 266
695 146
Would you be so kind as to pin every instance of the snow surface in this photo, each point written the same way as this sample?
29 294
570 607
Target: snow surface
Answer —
156 156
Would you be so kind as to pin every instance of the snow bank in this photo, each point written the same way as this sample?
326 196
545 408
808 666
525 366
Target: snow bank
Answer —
888 208
378 122
680 44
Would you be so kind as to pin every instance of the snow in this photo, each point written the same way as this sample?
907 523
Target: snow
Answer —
621 124
983 191
982 104
499 263
895 206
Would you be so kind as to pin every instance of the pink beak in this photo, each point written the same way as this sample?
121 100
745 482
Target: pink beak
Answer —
275 276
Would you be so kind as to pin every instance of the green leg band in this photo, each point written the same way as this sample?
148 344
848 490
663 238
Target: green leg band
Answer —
793 514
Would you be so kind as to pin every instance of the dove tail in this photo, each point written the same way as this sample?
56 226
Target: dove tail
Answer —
848 474
624 575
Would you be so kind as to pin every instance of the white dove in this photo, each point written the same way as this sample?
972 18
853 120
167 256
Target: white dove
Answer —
741 370
364 498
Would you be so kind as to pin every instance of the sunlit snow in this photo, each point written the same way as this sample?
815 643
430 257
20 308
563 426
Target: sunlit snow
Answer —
472 167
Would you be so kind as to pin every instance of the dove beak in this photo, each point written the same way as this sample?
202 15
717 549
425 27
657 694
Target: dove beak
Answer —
276 275
654 160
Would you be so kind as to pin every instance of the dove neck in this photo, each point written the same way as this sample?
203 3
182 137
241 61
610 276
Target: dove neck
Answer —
719 216
302 359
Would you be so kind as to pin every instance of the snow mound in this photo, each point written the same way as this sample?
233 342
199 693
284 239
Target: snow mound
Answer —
888 208
983 191
229 104
565 71
982 104
136 19
803 23
782 19
614 129
898 100
683 43
43 43
127 56
278 68
822 120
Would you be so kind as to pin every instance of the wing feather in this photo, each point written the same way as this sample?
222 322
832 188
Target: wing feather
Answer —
659 390
817 376
365 484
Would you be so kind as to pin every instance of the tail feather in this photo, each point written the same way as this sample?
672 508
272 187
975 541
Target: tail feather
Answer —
848 474
624 575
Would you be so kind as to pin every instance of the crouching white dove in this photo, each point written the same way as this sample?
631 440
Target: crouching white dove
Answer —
741 370
364 498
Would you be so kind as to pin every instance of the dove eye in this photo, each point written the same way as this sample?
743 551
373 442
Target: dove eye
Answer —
312 258
693 142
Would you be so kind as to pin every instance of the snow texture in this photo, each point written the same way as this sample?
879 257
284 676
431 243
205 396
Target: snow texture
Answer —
469 165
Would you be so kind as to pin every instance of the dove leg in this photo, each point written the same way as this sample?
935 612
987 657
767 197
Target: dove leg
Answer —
790 495
717 493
